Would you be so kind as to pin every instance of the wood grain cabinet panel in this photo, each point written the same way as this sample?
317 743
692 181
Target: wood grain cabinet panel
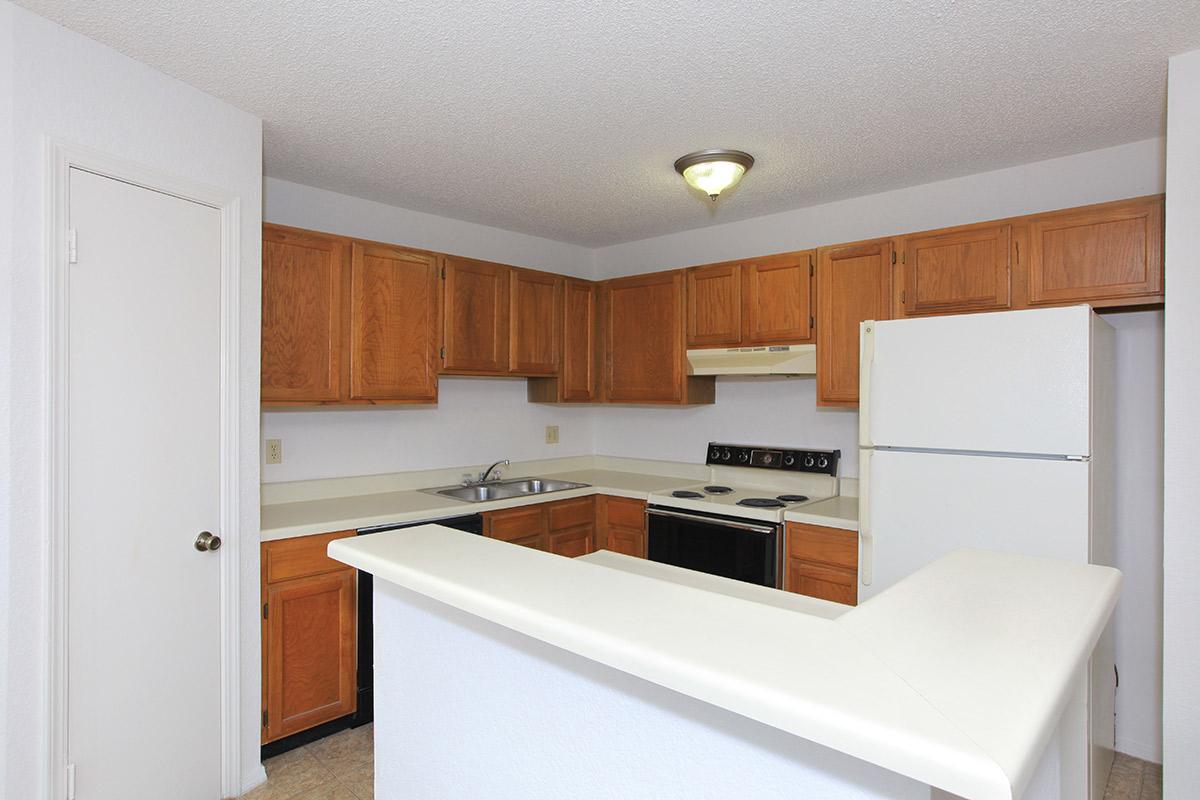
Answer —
524 525
572 542
536 318
643 321
957 270
853 284
822 562
1108 254
778 299
476 316
621 525
578 376
714 306
394 324
310 612
303 284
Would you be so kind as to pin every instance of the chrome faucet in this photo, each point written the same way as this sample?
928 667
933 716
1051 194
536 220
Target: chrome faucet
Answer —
483 476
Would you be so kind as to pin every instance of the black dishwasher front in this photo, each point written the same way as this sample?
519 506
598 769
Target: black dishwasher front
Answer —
365 712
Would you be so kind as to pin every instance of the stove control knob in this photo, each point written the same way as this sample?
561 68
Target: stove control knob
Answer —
725 456
822 462
809 460
715 453
789 459
743 456
768 459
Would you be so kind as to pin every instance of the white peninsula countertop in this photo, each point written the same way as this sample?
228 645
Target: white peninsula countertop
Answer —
955 677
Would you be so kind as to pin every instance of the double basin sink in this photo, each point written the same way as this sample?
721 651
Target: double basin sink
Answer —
504 490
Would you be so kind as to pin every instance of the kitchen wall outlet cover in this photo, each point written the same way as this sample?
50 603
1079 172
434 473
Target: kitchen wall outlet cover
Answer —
274 451
551 434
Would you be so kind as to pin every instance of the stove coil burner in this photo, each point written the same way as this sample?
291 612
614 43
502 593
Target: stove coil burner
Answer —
792 498
760 502
685 493
718 489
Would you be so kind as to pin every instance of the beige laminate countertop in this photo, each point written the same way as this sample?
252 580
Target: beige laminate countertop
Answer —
836 512
301 518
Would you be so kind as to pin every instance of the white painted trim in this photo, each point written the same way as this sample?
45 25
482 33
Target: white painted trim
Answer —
60 159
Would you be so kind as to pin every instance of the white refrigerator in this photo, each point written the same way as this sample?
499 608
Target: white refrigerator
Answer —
992 431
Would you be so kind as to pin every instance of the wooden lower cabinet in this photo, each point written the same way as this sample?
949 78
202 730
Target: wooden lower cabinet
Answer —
822 562
573 527
621 525
310 610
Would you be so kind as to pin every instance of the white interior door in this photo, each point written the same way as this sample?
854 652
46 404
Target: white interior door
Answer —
144 636
1008 382
921 506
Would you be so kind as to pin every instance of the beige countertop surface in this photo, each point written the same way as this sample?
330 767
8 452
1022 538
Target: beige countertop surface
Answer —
836 512
304 517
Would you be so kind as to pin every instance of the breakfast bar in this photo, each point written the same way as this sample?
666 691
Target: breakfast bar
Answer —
507 672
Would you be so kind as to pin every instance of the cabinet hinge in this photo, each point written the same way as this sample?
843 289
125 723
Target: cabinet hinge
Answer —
903 294
893 256
264 718
811 270
442 353
265 606
812 323
72 247
443 273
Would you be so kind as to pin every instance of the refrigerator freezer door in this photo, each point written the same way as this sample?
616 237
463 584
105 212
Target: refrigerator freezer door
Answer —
1009 382
920 506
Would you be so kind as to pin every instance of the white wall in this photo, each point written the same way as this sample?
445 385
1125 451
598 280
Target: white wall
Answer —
1181 545
80 92
1113 173
476 421
287 203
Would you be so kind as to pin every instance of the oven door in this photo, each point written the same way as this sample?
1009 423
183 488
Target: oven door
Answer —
732 548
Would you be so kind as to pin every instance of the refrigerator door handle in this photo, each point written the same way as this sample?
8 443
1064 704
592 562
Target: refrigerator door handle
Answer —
866 539
866 359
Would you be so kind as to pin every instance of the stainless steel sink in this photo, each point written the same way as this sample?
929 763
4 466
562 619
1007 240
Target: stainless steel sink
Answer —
503 490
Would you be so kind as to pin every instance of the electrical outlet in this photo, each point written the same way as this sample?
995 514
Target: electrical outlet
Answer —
274 451
551 434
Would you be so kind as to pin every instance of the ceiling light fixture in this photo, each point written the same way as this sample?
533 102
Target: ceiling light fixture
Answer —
714 171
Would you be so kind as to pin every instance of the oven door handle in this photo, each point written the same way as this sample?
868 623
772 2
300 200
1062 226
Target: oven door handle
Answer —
725 523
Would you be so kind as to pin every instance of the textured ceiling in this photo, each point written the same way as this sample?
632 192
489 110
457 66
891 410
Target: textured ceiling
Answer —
562 119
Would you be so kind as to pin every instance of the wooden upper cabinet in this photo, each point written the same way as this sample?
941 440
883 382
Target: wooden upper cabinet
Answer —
777 292
303 288
714 306
476 316
958 270
1109 254
853 284
577 379
535 314
394 324
643 323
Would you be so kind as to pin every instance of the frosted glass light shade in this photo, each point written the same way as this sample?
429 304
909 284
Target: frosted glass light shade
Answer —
714 171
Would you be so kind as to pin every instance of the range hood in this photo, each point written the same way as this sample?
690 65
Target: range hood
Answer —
785 359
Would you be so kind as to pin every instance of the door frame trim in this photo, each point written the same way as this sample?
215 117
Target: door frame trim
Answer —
60 158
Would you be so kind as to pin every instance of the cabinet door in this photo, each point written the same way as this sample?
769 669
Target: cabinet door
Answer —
577 380
393 324
1111 252
628 541
535 314
572 542
837 584
525 525
778 299
303 277
310 652
476 311
644 352
714 306
963 270
621 525
853 284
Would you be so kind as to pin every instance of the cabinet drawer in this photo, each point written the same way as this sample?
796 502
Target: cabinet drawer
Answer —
515 523
296 558
626 513
826 545
826 583
569 513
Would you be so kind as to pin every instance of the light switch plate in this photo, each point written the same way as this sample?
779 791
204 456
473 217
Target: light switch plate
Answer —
274 451
551 434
